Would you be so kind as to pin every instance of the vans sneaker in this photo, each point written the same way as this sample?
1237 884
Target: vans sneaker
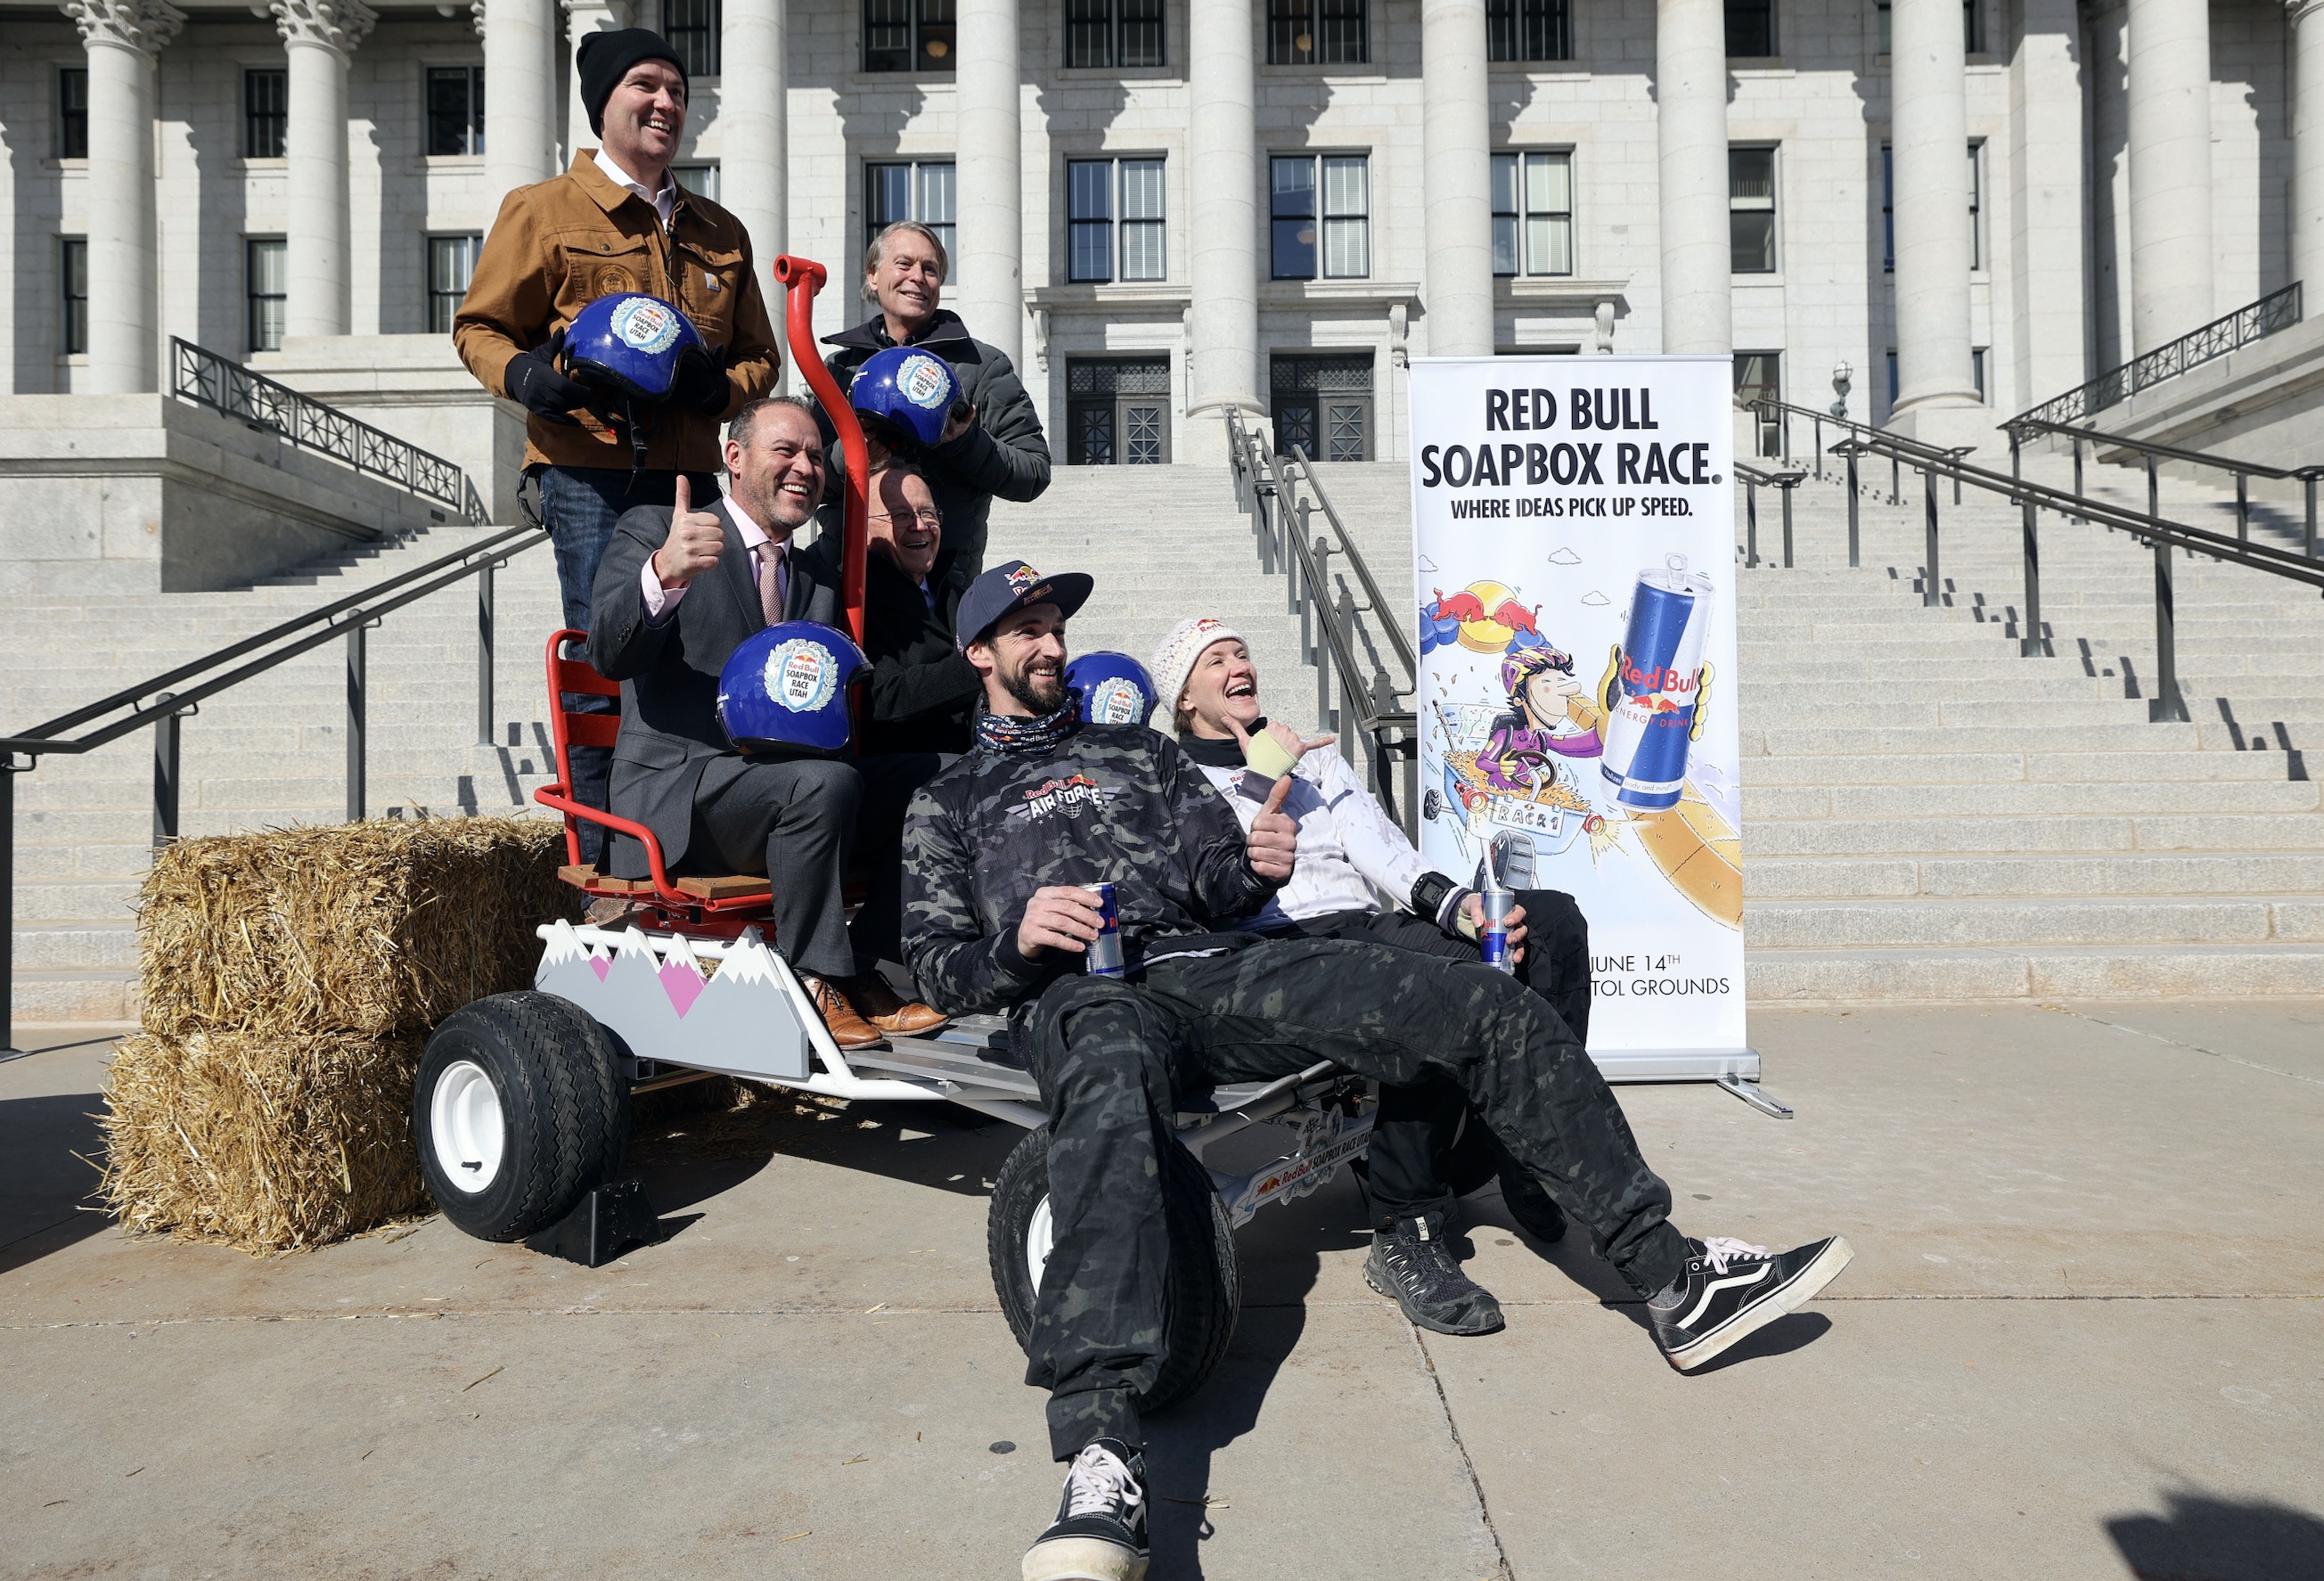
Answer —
1100 1532
1413 1263
1728 1290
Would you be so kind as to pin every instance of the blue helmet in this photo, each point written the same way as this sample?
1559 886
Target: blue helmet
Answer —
631 344
907 393
784 689
1111 688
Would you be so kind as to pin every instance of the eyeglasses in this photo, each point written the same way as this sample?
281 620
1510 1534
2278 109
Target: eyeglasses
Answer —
930 518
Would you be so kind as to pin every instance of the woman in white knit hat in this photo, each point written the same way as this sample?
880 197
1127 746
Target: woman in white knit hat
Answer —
1427 1148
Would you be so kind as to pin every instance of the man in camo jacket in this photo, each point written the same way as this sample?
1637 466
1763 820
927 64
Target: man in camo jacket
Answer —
997 849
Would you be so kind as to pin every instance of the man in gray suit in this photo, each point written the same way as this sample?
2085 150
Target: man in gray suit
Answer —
677 590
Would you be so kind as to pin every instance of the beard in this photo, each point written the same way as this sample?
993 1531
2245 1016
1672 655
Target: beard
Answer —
1042 694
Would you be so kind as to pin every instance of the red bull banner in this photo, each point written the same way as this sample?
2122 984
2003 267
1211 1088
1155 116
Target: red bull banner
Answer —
1573 542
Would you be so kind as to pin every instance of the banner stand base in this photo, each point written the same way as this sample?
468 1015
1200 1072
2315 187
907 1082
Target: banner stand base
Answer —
1737 1071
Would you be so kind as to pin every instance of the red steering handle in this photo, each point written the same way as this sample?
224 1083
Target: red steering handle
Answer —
800 279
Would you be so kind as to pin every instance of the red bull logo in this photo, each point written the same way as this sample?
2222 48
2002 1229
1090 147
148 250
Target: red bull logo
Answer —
1022 578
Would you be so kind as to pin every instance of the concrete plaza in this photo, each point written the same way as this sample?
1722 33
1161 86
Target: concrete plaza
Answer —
2074 1344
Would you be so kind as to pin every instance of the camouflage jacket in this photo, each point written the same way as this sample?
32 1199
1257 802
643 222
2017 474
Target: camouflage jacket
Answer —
1114 804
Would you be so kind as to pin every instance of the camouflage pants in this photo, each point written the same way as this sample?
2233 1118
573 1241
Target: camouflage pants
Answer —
1113 1056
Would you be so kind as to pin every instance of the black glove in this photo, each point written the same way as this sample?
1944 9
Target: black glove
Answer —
701 385
534 379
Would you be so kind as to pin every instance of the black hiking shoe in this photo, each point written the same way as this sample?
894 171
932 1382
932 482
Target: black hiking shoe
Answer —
1100 1532
1413 1263
1535 1211
1729 1290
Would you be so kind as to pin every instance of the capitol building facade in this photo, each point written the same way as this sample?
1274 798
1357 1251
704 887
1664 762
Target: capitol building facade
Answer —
1167 209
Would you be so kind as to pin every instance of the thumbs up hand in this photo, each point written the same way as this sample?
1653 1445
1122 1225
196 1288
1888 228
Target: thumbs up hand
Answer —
695 542
1272 847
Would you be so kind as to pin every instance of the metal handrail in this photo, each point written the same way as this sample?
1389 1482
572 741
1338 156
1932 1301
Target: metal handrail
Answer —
151 702
1753 480
2022 428
205 378
1269 489
2276 311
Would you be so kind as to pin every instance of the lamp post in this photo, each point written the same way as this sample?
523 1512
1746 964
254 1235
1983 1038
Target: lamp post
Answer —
1840 378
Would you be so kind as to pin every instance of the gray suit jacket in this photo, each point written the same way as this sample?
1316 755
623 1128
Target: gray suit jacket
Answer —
669 673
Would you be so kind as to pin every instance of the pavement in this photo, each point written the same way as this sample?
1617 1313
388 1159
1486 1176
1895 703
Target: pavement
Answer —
2075 1343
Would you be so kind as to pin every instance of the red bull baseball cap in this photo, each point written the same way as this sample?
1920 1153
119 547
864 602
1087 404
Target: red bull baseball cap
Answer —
1013 585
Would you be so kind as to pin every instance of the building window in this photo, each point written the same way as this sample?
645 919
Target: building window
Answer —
1977 372
1972 26
1891 378
1308 32
1887 208
1530 30
451 264
917 191
72 306
72 112
265 286
1759 376
692 28
701 180
1751 208
455 109
265 112
1975 207
1113 33
1532 214
1097 192
1750 29
1323 406
907 35
1343 216
1118 412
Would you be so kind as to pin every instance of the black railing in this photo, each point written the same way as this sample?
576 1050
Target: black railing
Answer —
1283 496
2153 455
1753 480
222 384
152 702
2277 310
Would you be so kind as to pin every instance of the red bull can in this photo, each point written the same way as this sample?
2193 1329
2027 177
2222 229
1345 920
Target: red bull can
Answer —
1658 676
1105 950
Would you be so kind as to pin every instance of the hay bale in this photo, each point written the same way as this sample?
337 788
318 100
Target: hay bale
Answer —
266 1141
367 928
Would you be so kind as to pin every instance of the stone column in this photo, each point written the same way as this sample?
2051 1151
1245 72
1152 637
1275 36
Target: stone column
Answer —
2170 169
1928 139
1456 167
124 324
1223 224
319 36
2047 233
1698 259
520 96
2308 151
754 136
582 18
990 231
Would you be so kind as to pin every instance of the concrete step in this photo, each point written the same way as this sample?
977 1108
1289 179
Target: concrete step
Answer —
1872 767
2027 836
2008 972
2121 797
1827 924
2113 872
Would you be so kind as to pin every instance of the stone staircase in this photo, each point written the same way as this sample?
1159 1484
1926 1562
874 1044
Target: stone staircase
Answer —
269 752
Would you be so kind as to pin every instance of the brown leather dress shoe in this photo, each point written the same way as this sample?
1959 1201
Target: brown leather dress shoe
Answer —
889 1010
847 1029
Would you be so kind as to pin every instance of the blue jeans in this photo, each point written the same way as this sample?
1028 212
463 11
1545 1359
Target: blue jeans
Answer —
579 506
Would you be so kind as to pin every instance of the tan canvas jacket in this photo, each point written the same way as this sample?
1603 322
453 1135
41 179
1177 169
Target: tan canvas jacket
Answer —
561 244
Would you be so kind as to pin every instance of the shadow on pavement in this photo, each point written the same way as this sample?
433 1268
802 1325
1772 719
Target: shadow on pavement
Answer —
44 1189
2205 1538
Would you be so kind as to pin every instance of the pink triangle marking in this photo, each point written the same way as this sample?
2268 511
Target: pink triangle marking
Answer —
684 986
601 965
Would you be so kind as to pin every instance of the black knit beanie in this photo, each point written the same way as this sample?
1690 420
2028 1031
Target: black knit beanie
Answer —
604 58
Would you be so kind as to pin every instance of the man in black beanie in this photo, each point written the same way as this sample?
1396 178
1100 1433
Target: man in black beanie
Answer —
615 222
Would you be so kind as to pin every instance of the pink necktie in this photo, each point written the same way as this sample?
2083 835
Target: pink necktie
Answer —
770 582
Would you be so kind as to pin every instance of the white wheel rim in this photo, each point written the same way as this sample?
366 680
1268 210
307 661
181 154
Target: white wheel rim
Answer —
464 1127
1039 1235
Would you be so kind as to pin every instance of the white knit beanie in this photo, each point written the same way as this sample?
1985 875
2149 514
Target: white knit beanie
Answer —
1173 659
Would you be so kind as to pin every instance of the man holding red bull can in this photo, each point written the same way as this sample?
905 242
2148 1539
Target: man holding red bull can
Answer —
1000 850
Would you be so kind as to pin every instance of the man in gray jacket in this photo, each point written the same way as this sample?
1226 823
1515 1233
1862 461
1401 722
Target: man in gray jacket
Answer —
677 590
993 445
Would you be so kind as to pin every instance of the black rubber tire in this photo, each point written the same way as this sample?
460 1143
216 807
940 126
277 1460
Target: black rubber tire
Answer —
1205 1286
565 1111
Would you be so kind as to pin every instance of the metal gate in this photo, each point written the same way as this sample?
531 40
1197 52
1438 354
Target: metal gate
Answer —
1322 405
1118 412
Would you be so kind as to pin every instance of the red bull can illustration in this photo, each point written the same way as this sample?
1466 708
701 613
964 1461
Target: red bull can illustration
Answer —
1105 950
1655 686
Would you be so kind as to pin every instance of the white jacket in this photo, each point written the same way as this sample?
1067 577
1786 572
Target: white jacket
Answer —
1347 842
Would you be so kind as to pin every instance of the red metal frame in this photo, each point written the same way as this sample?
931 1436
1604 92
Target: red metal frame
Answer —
801 278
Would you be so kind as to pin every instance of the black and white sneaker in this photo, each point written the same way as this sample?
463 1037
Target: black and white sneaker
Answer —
1412 1264
1534 1209
1729 1290
1100 1532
